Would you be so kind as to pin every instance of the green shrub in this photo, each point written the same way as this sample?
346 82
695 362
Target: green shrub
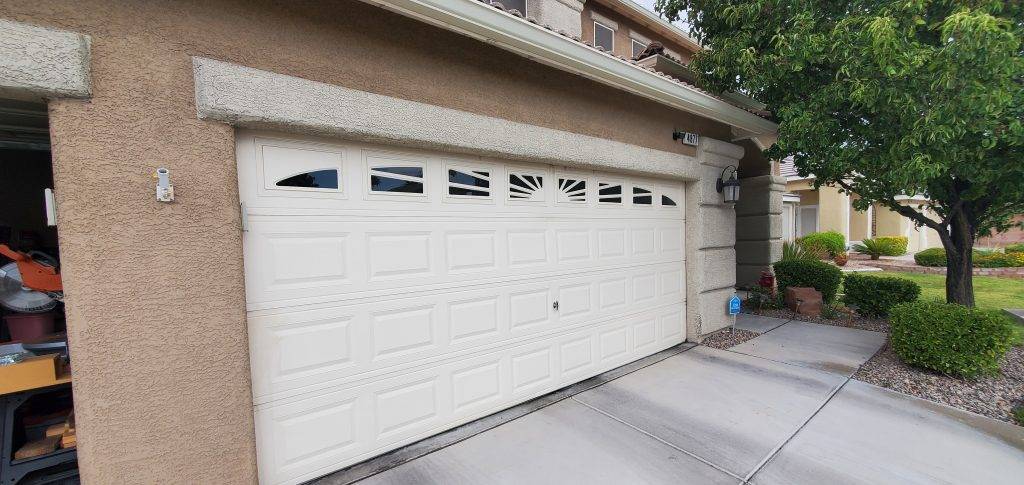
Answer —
874 296
931 257
794 252
1015 248
830 242
950 338
815 274
998 260
873 248
893 245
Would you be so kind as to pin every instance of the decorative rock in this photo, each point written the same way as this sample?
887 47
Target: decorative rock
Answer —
805 301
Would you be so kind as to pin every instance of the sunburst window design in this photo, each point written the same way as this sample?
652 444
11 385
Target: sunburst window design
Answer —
572 190
642 196
667 201
525 187
316 179
609 193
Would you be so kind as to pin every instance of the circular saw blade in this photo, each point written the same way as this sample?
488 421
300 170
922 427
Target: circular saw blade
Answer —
15 297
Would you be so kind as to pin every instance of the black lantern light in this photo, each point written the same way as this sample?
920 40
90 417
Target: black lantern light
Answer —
729 187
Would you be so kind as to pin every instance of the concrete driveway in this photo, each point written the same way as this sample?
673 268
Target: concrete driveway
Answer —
779 409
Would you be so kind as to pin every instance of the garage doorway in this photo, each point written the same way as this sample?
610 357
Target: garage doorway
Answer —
395 293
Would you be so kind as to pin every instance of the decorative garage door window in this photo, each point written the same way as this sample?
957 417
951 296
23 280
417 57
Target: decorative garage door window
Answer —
469 183
667 201
522 186
318 179
642 196
406 180
572 190
609 193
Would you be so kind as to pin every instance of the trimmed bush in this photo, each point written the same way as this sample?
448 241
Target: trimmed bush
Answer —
981 259
950 338
998 260
874 296
815 274
893 245
830 242
931 257
1015 248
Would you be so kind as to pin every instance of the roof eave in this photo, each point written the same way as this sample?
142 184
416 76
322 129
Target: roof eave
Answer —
483 22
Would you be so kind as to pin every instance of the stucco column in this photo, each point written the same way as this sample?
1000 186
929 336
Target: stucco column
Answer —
758 226
710 243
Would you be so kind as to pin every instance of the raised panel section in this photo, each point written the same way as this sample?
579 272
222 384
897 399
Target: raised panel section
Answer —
672 283
577 354
475 385
404 407
573 245
470 251
645 333
306 260
612 294
397 255
614 344
643 242
531 369
573 300
527 309
467 319
671 325
671 240
527 248
611 243
644 288
309 347
402 331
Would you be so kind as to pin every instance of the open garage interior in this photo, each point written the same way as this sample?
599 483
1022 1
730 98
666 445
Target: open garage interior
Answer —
37 438
394 293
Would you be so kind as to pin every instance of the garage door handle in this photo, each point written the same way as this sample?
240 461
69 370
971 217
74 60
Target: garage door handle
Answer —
555 306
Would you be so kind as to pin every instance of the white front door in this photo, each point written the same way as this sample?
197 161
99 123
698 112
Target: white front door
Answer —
395 293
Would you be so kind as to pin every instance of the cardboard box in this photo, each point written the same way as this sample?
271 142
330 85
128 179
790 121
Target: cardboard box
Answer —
31 373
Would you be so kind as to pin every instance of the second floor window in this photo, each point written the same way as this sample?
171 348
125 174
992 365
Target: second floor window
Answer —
604 36
638 48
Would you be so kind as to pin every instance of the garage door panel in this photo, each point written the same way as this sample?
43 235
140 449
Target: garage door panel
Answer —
395 293
291 262
407 406
295 349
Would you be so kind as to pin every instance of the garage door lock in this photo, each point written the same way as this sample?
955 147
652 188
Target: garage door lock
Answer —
555 305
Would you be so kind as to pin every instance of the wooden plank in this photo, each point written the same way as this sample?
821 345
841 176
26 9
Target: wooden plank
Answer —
37 447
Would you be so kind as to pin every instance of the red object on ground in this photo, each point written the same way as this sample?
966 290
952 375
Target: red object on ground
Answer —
805 301
29 326
34 275
767 280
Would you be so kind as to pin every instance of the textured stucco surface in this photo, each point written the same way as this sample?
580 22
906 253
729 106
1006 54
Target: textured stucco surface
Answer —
37 62
561 15
758 226
253 98
155 296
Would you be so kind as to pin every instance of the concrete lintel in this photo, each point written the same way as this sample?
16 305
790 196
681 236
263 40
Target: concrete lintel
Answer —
40 63
254 98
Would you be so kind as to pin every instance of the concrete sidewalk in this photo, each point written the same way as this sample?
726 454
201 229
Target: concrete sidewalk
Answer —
779 409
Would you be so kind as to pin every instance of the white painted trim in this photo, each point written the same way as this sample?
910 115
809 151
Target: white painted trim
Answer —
480 21
597 24
790 198
637 36
846 216
607 22
253 98
871 218
632 47
38 63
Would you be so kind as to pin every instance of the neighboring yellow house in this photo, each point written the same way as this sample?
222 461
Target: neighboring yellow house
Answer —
806 210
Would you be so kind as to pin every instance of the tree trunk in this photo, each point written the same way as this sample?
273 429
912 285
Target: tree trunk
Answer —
959 246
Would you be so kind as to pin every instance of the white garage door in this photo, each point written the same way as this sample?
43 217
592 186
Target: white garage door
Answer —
393 294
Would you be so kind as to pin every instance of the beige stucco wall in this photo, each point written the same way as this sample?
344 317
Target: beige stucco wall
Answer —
833 210
155 297
860 222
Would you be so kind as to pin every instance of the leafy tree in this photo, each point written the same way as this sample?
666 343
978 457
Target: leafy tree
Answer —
885 98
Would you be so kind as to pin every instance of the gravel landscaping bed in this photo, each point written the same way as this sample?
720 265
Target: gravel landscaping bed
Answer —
994 396
728 337
846 320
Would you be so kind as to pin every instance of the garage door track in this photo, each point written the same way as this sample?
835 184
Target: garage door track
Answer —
779 409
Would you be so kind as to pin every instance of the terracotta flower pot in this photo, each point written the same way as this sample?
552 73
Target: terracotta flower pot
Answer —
29 326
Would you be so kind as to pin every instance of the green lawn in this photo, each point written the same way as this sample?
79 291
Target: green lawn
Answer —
989 291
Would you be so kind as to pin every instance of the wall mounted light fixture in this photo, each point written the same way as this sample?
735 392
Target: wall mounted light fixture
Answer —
729 187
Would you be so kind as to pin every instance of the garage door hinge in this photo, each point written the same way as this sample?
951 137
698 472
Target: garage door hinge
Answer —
245 217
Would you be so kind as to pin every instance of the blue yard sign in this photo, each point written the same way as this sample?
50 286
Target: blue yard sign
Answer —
734 305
